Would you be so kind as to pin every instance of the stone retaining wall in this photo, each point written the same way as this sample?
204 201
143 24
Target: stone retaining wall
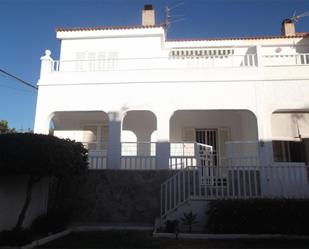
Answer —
119 196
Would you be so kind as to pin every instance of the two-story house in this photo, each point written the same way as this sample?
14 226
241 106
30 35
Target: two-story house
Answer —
236 107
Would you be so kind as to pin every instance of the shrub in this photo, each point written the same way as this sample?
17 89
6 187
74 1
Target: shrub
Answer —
38 156
268 216
189 219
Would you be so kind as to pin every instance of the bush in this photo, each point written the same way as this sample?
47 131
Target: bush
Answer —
267 216
16 237
50 223
38 156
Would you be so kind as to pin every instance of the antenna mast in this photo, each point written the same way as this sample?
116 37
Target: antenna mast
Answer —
295 18
170 18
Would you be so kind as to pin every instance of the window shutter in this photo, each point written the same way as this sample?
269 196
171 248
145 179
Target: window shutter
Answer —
224 134
188 135
91 61
80 57
101 61
104 133
112 60
90 133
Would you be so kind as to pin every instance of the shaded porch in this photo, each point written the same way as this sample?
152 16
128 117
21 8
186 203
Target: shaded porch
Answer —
88 127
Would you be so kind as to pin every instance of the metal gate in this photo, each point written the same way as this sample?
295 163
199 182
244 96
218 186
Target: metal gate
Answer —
209 137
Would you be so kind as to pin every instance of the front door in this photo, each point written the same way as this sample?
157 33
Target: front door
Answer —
209 137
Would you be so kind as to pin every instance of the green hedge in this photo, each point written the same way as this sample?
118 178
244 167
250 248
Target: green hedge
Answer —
263 216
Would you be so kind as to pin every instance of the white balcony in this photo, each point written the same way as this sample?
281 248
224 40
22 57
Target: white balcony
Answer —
286 60
159 63
142 155
176 69
180 62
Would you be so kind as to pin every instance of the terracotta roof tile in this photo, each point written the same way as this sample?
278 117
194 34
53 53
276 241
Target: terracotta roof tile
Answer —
105 28
297 35
76 29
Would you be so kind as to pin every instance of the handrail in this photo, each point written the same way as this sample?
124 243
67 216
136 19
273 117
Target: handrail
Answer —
154 63
202 183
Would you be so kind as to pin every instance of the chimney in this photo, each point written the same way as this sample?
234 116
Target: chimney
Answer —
148 16
288 27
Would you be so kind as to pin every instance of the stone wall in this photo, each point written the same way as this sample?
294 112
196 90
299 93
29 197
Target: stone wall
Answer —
119 196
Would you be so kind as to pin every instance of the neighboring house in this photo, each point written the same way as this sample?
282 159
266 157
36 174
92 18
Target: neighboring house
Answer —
235 109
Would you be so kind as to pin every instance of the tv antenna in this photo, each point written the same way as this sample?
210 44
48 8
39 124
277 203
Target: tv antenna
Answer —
170 18
295 18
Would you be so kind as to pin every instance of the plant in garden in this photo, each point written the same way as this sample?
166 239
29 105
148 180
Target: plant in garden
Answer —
4 127
189 219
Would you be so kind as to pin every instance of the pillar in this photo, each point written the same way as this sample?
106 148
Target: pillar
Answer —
114 138
265 141
163 144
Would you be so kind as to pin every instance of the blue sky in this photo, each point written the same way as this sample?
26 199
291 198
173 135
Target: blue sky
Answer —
28 28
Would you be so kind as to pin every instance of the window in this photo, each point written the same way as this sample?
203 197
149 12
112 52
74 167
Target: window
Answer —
288 151
90 61
201 53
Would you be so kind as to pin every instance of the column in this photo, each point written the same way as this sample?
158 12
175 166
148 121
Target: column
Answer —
265 139
259 56
163 144
114 145
263 116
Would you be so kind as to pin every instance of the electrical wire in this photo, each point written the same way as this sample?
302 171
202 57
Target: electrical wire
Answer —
16 89
18 79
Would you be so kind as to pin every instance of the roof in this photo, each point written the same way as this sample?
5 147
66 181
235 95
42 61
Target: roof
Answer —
78 29
297 35
107 28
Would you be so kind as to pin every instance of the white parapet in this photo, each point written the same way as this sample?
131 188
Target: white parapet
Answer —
46 63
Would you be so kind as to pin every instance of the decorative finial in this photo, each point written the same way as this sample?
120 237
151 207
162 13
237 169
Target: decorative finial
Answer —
47 52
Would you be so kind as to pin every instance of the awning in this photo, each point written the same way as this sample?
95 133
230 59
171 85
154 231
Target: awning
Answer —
290 126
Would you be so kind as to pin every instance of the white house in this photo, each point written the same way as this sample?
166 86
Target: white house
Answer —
232 112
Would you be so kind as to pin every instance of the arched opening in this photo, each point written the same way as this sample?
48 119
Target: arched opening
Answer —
143 124
88 127
290 135
138 148
231 133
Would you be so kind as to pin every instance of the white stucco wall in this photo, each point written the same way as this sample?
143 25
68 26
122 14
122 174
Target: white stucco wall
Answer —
142 123
165 86
241 124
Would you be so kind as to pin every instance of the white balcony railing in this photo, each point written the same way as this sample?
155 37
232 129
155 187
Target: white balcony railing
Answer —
138 149
286 60
158 63
142 155
97 155
182 155
138 162
165 63
138 155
